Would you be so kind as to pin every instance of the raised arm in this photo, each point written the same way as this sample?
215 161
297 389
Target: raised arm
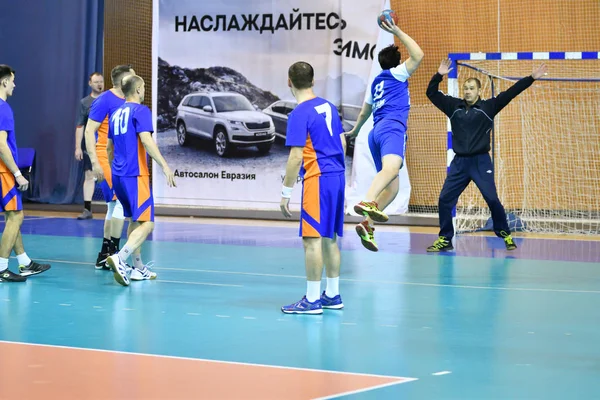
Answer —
505 97
414 51
444 102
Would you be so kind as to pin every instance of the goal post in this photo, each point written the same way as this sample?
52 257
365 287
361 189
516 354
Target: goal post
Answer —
545 143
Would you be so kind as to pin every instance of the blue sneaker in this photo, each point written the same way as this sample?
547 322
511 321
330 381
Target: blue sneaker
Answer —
333 303
303 307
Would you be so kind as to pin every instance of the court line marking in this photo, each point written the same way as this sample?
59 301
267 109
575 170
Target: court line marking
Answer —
341 279
30 218
244 223
441 373
383 385
199 283
402 379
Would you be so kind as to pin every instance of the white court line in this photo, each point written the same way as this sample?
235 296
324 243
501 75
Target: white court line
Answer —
30 219
341 279
407 379
335 396
441 373
198 283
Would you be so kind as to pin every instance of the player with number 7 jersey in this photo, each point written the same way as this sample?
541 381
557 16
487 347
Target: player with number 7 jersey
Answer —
316 126
317 148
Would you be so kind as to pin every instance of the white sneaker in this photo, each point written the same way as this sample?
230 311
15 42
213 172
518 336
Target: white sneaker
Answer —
119 269
142 274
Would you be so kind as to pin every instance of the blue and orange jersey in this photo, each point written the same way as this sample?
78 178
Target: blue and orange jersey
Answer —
389 95
315 125
101 110
7 123
126 123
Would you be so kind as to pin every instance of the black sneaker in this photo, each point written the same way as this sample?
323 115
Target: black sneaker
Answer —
101 261
508 240
441 244
33 268
9 276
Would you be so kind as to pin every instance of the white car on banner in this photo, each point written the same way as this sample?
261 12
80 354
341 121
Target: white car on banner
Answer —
229 119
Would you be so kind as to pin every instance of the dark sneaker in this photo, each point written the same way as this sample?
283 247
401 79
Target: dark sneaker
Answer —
85 214
9 276
441 244
33 268
508 241
367 237
101 261
369 209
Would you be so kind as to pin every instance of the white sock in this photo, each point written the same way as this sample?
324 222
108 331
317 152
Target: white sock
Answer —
137 261
124 253
3 264
333 287
313 291
23 259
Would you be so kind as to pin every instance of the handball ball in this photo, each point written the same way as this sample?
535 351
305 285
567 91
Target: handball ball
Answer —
387 14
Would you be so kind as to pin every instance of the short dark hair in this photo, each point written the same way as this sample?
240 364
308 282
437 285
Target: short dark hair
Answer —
94 74
389 57
5 71
301 74
116 75
476 80
129 84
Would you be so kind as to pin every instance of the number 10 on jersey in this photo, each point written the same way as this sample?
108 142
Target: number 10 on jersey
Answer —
120 121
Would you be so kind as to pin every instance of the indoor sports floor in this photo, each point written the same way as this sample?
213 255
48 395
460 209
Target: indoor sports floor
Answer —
479 323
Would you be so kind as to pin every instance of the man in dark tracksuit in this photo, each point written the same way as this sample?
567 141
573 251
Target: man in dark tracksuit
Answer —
472 120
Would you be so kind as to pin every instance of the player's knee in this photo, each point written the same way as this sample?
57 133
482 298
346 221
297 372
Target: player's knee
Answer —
110 207
311 242
493 202
118 212
329 244
392 164
445 201
16 217
148 226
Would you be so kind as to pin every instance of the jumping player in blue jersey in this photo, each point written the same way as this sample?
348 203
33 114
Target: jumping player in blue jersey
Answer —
315 135
389 101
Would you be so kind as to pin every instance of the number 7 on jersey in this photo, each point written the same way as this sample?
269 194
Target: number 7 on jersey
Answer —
325 108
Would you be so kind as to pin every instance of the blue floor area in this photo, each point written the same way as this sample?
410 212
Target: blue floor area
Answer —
504 325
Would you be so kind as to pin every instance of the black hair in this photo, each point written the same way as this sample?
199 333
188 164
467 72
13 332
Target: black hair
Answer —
301 74
389 57
116 75
5 71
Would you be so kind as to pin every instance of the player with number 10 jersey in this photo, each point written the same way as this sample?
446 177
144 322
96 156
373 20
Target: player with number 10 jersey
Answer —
130 162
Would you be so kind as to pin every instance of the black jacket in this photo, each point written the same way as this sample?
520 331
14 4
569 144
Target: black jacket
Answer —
471 125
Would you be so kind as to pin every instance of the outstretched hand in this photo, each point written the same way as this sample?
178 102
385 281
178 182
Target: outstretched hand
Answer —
390 26
539 71
445 67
